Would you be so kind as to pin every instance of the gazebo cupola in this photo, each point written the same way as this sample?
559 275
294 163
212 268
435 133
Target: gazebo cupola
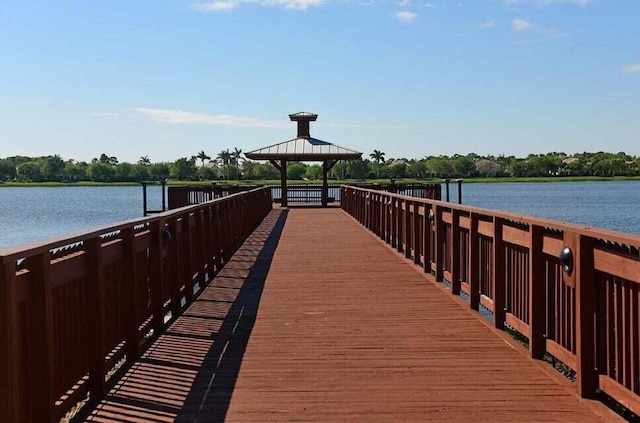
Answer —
303 148
303 119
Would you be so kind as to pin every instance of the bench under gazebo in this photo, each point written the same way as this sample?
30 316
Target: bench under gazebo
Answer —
304 148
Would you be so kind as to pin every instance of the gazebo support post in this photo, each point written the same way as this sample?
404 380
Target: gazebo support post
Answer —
326 166
283 183
325 185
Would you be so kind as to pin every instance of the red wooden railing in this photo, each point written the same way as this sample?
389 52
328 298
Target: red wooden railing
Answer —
73 309
586 316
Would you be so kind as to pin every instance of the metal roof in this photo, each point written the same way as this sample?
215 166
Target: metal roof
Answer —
305 148
303 116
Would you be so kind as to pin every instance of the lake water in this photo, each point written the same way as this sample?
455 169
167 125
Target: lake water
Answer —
36 213
31 214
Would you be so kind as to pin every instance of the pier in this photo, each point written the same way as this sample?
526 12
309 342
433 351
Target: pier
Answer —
382 308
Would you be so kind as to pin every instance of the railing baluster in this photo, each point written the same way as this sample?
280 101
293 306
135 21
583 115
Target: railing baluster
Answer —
474 263
11 405
537 293
95 297
498 274
156 276
130 293
42 342
455 252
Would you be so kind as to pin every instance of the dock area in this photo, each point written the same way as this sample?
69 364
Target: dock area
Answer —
314 318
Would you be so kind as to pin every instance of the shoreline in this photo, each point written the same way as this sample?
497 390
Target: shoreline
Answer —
540 179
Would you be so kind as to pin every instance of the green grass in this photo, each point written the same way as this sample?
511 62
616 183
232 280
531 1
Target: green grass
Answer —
331 181
68 184
553 179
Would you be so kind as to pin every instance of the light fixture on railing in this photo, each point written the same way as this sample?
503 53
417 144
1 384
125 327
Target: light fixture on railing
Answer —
166 238
431 217
566 260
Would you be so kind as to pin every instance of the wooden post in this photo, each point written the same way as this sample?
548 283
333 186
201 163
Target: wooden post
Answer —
440 241
95 297
325 186
144 199
42 343
11 405
393 232
173 271
407 228
131 291
474 264
426 240
400 230
217 233
283 183
537 294
583 275
416 232
156 275
455 252
498 274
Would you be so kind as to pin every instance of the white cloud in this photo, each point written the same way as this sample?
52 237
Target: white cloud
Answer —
548 2
225 5
179 117
521 25
406 16
632 68
215 6
104 114
487 24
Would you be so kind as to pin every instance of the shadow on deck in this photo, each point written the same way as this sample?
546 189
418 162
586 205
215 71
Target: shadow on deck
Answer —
190 372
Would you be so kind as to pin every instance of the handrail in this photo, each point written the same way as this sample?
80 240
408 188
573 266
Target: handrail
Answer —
74 307
573 291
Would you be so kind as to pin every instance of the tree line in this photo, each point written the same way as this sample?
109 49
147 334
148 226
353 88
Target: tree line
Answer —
232 165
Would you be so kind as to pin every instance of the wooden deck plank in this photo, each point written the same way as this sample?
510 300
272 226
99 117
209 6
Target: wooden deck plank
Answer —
316 320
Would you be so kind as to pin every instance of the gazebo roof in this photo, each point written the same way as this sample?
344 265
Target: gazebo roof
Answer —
304 149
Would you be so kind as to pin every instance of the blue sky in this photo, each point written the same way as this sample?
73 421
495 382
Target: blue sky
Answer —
411 78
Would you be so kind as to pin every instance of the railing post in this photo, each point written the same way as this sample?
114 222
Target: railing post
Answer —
400 228
416 232
407 228
42 343
173 271
131 291
583 277
199 249
439 244
498 274
156 276
394 222
217 242
11 405
426 240
95 292
537 293
474 264
455 252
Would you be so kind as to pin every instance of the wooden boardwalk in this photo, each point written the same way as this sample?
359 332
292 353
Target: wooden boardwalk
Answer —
314 319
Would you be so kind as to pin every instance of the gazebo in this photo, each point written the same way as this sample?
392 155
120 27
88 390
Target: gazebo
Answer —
303 148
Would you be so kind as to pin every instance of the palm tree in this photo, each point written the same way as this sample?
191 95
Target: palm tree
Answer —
202 156
144 160
225 157
236 156
377 156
